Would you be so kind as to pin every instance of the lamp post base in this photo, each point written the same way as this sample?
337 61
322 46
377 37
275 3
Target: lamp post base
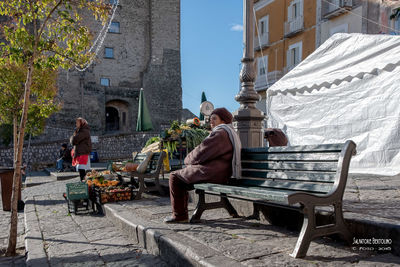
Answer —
248 125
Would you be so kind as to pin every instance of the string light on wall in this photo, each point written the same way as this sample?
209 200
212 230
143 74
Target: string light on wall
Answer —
98 43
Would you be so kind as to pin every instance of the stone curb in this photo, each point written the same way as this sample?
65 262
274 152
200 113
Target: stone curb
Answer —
360 225
34 245
174 248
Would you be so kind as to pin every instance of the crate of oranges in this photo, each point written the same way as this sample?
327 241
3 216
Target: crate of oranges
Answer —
113 194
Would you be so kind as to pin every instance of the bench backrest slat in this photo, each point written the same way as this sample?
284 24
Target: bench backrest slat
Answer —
294 166
291 185
311 168
301 149
318 157
290 175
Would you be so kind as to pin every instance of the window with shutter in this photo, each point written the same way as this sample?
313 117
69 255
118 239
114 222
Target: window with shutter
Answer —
294 55
295 10
263 30
262 65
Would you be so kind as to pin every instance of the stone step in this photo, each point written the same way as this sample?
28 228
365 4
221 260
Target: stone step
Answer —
220 240
130 216
59 176
159 239
37 178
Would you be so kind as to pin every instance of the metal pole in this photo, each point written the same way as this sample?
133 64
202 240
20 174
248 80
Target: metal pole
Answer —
248 118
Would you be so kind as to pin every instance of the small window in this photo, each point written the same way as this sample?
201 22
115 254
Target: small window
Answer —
114 27
262 65
109 52
294 55
105 81
295 10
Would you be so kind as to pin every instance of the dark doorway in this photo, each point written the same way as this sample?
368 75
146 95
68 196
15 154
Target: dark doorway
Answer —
112 119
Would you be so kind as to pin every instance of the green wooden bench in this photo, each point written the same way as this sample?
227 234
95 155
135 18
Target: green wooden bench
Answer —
152 172
300 177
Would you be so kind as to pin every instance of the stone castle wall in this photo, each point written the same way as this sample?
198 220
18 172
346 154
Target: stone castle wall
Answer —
110 147
146 55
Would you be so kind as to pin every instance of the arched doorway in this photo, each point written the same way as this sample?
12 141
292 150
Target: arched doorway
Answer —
117 116
112 119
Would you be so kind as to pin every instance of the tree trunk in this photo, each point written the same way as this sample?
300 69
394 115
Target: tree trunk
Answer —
15 139
12 239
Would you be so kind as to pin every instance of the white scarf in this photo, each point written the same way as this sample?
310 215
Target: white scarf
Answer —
237 147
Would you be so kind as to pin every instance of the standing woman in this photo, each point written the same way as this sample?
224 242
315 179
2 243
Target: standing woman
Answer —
82 147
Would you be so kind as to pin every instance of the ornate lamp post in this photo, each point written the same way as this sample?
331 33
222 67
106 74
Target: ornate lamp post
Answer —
248 119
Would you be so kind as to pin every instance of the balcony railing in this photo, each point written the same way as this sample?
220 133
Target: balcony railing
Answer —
264 40
333 8
265 81
294 26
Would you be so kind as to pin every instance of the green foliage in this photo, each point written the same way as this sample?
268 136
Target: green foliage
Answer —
51 32
175 125
6 131
42 99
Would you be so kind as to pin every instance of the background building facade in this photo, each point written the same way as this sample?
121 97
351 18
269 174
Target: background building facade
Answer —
141 50
285 35
287 31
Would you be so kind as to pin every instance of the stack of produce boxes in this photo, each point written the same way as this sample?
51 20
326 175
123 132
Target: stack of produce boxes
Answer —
105 187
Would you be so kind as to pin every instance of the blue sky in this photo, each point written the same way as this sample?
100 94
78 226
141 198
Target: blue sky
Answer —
211 50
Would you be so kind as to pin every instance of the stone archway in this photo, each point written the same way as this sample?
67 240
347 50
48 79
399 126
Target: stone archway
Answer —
112 119
117 116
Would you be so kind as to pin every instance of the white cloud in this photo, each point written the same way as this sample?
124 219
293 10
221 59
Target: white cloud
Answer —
237 28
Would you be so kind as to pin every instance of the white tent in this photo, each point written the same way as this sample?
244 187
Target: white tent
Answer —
349 88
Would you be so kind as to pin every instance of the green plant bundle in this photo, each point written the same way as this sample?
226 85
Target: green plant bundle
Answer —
171 146
194 137
152 140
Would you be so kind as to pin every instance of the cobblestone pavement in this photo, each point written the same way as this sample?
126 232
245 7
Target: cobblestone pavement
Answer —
376 197
221 241
57 238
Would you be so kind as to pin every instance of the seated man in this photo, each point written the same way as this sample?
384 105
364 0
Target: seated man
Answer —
215 160
64 156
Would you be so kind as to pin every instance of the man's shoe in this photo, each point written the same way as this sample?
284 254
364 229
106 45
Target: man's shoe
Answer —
173 220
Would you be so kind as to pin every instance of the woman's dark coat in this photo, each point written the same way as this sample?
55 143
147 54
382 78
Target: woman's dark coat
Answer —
211 161
81 141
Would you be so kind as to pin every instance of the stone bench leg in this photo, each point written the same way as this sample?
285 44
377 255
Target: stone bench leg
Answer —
340 226
202 206
309 230
306 233
141 189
